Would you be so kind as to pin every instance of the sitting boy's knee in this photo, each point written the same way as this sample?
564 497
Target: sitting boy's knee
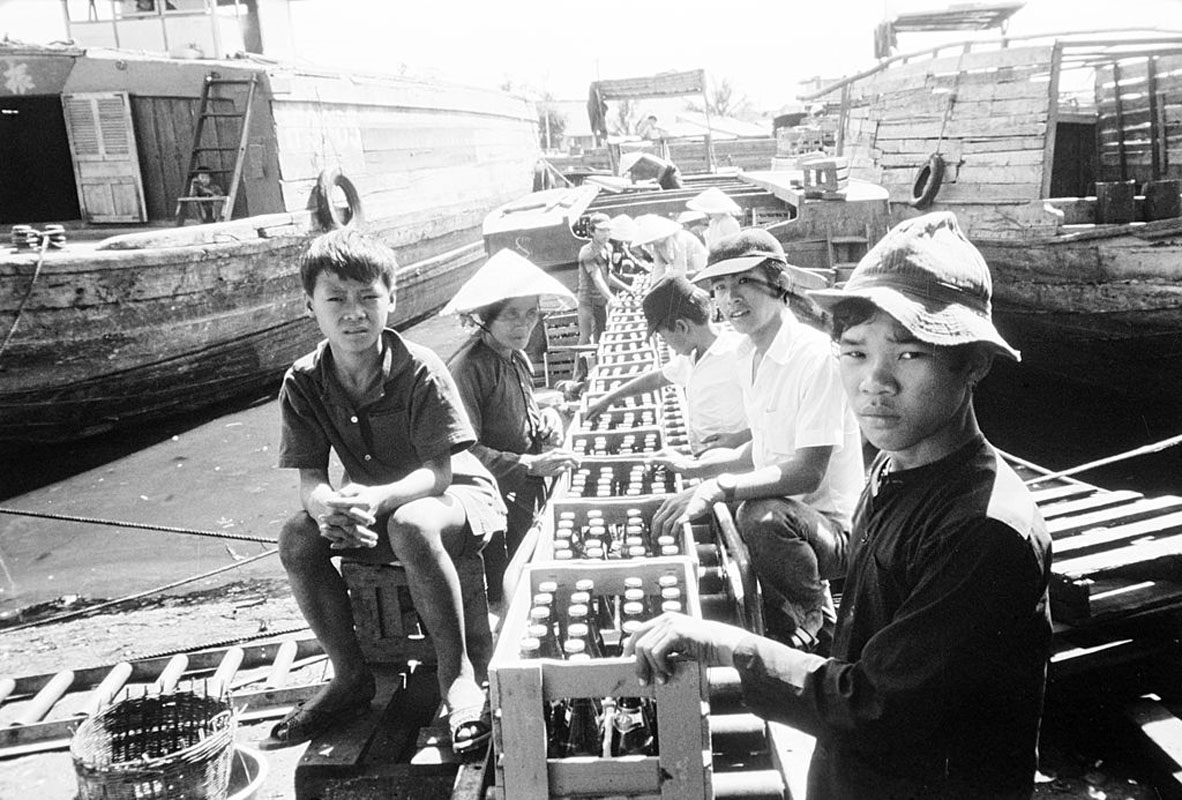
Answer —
298 538
775 518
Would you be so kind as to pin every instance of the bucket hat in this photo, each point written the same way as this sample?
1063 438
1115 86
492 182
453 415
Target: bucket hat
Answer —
927 274
653 228
664 302
713 201
503 277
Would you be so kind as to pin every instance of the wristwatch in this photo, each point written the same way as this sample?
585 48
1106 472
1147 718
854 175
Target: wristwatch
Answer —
727 483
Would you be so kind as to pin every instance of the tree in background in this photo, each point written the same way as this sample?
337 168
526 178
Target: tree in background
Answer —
626 117
723 100
551 123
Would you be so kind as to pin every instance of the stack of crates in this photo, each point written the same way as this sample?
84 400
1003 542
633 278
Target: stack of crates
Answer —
608 503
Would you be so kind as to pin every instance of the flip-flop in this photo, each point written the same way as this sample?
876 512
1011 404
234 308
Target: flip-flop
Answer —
471 728
303 724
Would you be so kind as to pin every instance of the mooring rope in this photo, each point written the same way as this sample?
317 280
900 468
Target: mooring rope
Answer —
20 307
82 612
240 537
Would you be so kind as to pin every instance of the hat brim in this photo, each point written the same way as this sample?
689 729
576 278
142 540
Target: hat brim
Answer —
507 276
943 324
730 266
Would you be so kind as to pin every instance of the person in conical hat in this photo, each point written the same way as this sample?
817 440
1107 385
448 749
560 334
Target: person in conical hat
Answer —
623 260
722 211
695 222
675 251
516 440
646 166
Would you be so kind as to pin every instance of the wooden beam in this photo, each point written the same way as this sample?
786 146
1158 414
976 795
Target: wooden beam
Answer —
1048 159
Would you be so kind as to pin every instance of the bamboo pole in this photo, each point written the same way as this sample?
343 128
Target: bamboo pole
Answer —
1140 451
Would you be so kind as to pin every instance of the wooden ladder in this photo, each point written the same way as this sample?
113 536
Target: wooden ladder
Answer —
223 203
845 252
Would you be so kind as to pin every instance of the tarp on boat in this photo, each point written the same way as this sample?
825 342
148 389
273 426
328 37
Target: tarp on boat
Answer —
666 84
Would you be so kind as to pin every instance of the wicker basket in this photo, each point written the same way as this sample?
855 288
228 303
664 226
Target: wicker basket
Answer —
176 746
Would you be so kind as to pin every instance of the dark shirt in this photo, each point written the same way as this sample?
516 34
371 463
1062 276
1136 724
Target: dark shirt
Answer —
592 257
497 393
936 681
414 414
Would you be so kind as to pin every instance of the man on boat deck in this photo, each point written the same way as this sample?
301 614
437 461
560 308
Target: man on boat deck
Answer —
935 685
411 490
593 293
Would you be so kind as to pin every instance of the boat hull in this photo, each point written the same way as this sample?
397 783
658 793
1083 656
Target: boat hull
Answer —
107 339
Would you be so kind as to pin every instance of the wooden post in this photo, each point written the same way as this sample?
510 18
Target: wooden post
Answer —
1154 130
1048 157
1120 121
710 163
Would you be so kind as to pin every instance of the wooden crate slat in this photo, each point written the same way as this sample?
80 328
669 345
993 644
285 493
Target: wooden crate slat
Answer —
1094 501
1065 526
1121 558
1091 540
1052 494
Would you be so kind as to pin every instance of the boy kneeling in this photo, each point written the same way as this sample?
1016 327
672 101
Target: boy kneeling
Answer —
411 491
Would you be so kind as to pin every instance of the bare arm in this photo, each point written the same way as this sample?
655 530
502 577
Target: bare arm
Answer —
650 381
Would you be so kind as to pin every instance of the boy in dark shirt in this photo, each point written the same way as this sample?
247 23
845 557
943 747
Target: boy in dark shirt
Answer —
411 491
935 684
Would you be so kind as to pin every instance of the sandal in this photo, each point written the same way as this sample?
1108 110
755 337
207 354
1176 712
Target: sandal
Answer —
303 724
471 728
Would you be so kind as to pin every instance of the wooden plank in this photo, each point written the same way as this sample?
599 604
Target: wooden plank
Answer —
1062 492
1094 501
1161 731
1106 537
632 776
520 731
1067 525
1140 555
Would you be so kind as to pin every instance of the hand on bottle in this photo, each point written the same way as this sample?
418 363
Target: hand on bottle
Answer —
676 511
674 460
661 642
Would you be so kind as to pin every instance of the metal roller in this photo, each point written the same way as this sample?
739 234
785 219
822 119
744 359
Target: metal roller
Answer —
711 580
742 732
718 607
763 784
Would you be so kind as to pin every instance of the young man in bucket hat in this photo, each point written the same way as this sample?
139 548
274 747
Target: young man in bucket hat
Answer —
797 481
935 685
593 292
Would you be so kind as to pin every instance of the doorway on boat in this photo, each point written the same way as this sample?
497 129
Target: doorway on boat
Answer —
1073 169
36 172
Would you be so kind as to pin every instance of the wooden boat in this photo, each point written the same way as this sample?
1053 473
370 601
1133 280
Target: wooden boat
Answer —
131 318
1028 142
819 230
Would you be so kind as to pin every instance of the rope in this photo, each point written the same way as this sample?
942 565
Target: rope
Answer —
1140 451
20 307
240 537
82 612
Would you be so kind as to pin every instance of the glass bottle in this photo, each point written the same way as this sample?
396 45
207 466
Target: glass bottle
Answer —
632 733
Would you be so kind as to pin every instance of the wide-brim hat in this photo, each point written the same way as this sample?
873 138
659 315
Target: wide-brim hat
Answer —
749 248
622 227
653 228
505 276
713 201
927 274
630 160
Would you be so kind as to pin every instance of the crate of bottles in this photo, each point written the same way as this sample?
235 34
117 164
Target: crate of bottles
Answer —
620 418
615 371
607 529
639 359
600 479
635 442
637 401
633 348
569 721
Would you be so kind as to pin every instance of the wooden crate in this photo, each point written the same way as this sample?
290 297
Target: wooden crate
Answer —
521 688
618 470
384 615
618 418
615 443
614 510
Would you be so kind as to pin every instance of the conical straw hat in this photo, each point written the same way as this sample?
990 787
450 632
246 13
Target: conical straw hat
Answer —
623 228
653 228
504 276
713 201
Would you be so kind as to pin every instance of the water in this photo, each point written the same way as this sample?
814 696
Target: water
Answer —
217 472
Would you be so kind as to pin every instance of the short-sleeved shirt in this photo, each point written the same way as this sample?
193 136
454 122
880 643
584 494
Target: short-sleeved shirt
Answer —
935 684
713 394
797 401
498 395
592 257
412 415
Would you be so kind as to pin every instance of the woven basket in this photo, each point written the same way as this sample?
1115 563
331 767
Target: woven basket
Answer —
176 746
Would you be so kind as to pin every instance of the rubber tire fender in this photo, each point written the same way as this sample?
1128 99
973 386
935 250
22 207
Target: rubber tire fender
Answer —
328 213
927 182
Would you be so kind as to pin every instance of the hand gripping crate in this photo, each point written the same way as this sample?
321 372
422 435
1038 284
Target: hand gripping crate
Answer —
520 689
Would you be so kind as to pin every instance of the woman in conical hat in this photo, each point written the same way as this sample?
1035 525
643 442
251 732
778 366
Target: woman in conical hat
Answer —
515 437
722 211
623 260
675 250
